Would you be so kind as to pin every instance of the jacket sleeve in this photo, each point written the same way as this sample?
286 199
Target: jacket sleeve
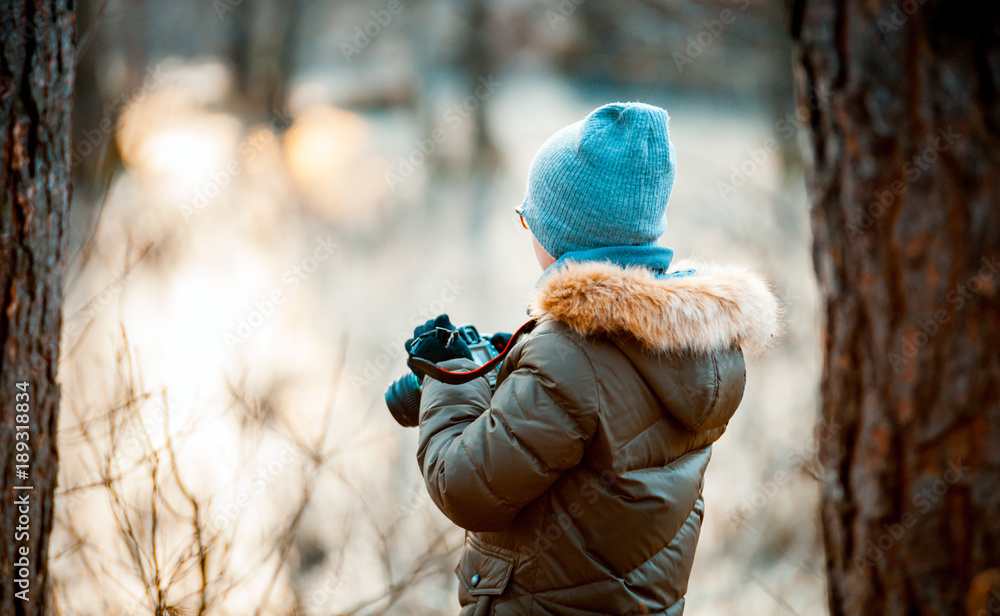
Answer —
483 460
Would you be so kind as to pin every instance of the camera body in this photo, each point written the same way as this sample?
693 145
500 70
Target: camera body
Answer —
482 350
403 395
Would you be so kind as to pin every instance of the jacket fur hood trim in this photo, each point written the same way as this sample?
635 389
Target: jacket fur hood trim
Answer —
713 308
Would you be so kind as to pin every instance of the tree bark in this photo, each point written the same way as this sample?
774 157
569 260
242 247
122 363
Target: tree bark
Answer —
36 77
903 160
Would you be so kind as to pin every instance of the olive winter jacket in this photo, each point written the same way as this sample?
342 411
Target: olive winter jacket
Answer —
579 480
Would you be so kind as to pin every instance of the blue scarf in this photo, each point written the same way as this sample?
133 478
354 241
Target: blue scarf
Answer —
654 258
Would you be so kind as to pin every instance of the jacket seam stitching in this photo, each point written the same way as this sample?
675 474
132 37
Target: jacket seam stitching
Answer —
593 372
521 442
493 550
538 560
597 390
640 433
590 439
514 438
716 386
672 541
479 475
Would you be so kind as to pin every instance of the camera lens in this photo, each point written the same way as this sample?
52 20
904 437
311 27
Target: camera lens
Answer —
403 400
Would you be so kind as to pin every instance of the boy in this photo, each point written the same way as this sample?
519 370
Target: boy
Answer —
579 480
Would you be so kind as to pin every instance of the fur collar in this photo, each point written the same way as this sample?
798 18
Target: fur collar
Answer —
715 307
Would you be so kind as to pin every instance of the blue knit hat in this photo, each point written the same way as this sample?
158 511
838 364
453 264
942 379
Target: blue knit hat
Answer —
603 181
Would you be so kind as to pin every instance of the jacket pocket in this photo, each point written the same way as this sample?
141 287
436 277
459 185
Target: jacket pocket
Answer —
483 572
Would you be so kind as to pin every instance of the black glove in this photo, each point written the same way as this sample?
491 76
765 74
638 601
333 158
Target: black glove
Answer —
500 340
433 342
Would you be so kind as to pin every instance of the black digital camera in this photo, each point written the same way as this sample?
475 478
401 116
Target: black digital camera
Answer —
403 396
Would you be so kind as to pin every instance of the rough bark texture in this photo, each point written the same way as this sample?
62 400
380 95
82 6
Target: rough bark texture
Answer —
903 162
36 76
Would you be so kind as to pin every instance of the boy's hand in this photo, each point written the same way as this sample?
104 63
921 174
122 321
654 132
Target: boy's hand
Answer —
431 341
499 341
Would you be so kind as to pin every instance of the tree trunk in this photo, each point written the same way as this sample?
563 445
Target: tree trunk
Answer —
36 77
903 162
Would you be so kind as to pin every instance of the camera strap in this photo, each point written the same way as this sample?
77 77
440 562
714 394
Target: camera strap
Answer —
457 378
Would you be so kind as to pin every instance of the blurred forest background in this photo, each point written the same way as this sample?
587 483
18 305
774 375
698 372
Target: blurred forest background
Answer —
268 196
